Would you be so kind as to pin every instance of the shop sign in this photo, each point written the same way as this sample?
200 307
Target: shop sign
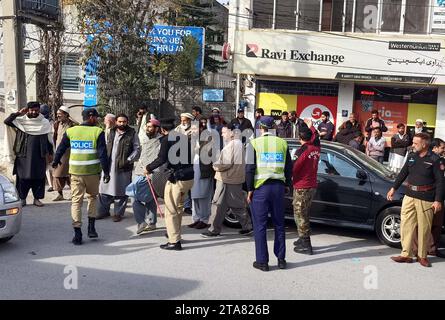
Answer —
327 56
313 106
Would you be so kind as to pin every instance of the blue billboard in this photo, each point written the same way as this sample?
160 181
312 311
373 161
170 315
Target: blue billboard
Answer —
163 40
168 40
90 96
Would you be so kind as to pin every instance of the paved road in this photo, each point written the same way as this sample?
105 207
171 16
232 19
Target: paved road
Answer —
122 265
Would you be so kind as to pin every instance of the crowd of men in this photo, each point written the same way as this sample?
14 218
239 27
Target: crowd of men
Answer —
209 166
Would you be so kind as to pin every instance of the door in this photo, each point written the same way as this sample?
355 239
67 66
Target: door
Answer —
340 194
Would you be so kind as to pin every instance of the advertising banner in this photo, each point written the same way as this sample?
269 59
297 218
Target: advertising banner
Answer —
438 19
392 113
313 106
90 95
274 103
328 56
168 40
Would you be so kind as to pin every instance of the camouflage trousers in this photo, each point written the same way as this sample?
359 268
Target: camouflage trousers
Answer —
302 206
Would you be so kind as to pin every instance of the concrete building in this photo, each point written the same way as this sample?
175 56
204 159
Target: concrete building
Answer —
342 56
72 87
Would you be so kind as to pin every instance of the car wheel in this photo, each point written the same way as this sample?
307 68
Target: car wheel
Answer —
388 227
231 221
3 240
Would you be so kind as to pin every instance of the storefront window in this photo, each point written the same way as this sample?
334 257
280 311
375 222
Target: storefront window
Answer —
286 14
416 16
366 15
332 16
391 12
263 14
348 15
309 15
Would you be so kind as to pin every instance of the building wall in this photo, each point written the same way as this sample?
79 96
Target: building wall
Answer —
278 69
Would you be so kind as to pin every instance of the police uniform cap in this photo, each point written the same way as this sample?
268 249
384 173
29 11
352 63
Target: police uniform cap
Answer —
266 122
90 112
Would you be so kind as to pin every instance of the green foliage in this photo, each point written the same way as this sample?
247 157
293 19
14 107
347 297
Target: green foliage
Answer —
193 13
119 45
185 60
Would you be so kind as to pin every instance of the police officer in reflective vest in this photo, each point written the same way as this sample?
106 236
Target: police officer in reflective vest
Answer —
268 177
88 157
423 199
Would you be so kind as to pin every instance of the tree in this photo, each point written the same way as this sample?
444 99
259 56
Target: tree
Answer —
50 67
199 14
117 44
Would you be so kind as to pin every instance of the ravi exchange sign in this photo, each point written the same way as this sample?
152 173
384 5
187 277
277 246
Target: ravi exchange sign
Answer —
328 56
168 40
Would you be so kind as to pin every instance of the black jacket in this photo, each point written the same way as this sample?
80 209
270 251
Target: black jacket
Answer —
21 140
125 149
182 171
421 172
382 126
347 132
245 124
399 146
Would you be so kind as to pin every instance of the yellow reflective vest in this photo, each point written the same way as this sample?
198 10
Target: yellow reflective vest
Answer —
270 159
84 158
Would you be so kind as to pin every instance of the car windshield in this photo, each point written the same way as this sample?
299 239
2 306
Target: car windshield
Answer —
371 163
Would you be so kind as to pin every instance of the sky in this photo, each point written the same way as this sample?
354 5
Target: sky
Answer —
223 1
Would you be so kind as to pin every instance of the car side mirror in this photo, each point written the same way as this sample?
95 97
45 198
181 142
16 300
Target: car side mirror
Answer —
361 174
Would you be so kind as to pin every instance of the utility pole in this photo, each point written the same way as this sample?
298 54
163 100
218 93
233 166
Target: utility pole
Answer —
14 63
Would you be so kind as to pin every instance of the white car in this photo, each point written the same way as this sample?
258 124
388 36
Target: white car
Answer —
10 210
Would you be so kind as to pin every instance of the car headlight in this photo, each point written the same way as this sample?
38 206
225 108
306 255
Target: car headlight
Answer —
9 194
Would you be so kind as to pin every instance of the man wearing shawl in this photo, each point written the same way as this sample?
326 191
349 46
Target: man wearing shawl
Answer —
32 149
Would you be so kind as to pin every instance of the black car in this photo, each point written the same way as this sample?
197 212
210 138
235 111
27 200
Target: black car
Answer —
351 192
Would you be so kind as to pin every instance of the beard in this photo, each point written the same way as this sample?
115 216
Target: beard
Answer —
151 134
32 115
123 128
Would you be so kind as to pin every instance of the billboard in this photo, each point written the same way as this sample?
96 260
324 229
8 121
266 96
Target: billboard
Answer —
328 56
90 95
168 40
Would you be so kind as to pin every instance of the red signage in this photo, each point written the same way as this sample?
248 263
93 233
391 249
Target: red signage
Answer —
313 106
392 113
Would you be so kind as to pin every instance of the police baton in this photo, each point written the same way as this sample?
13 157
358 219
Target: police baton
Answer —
154 196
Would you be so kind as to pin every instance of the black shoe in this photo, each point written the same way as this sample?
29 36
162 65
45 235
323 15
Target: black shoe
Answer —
440 254
261 266
91 229
282 264
246 232
188 211
50 189
304 246
77 240
194 224
298 243
102 216
209 234
202 225
172 246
